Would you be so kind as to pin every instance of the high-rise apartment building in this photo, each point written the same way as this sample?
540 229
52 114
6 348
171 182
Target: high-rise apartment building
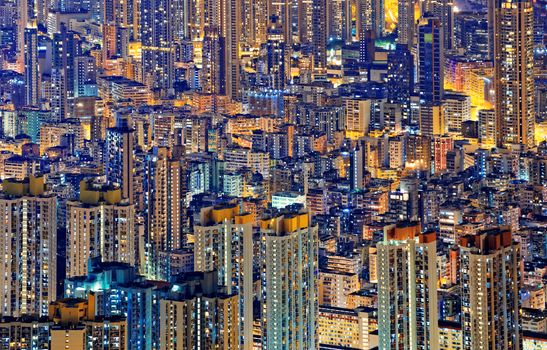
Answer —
285 11
223 242
490 277
28 233
289 305
238 157
99 225
319 34
514 72
66 46
444 11
231 31
77 327
32 74
84 77
123 16
406 22
120 142
450 335
213 72
487 127
157 39
305 28
275 47
441 145
370 15
164 187
449 218
25 333
407 283
254 22
457 109
199 315
339 20
400 79
430 60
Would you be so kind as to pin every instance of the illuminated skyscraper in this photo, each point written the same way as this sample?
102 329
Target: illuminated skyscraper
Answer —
85 83
231 31
224 243
430 60
490 277
164 202
276 55
319 34
66 46
99 225
119 156
514 72
285 11
28 235
289 309
339 20
157 46
400 79
444 11
406 23
255 22
32 74
370 17
213 74
407 288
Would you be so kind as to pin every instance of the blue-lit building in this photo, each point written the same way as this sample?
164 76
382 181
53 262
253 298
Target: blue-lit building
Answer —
430 60
119 156
120 291
400 82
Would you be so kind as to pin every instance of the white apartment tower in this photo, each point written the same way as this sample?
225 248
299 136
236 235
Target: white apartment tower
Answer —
223 241
28 235
99 224
490 277
407 288
289 309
